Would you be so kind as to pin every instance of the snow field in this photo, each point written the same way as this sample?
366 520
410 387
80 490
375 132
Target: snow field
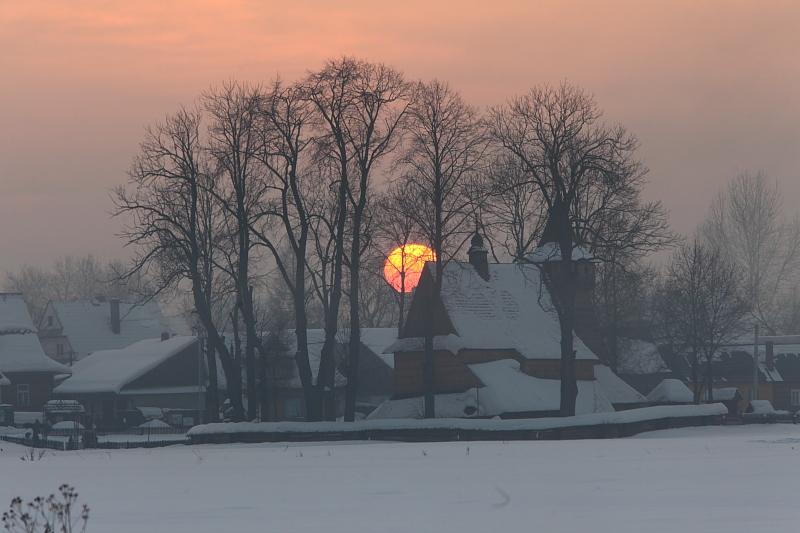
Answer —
709 479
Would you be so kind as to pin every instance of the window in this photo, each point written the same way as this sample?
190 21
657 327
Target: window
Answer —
23 395
50 321
59 349
291 408
796 397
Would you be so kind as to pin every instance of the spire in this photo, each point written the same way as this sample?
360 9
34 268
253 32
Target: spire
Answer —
479 256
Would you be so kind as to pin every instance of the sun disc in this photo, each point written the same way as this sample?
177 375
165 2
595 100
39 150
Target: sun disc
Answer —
403 266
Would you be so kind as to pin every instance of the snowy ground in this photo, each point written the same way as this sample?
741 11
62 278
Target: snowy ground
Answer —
713 479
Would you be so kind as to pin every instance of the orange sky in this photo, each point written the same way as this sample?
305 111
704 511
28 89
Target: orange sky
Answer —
710 87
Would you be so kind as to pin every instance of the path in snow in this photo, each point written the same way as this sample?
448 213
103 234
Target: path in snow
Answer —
712 479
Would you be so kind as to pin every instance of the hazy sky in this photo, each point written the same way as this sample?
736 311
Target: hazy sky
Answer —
711 88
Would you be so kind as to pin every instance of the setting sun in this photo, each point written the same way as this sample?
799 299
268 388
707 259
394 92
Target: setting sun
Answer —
406 262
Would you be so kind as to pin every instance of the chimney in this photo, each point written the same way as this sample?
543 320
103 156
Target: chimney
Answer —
164 336
770 356
479 256
115 321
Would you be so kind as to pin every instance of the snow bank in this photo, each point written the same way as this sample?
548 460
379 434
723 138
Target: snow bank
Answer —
671 391
535 424
761 407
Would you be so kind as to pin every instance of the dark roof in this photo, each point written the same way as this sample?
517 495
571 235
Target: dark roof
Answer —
788 365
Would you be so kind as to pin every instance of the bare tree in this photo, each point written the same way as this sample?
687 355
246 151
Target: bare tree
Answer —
747 220
359 107
699 307
288 204
235 144
174 224
75 278
330 94
514 211
446 142
379 103
564 149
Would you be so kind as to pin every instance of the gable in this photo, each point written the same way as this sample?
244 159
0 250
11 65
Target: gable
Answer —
426 307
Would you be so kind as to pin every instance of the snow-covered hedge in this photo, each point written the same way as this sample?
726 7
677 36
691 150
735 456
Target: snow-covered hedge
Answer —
530 424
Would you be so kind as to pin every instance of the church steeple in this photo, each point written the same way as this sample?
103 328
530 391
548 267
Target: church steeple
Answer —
479 256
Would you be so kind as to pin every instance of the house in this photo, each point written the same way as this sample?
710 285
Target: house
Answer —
778 374
375 372
167 373
69 331
29 373
501 313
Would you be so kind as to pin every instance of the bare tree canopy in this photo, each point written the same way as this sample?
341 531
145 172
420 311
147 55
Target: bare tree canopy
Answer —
699 306
589 181
748 222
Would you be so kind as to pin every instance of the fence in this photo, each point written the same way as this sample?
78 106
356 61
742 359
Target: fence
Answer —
597 426
87 439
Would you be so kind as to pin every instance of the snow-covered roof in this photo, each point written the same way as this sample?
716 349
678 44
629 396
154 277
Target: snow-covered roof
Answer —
154 424
4 381
614 388
87 324
512 310
551 251
636 356
377 340
20 349
506 389
725 393
761 407
111 370
671 391
14 315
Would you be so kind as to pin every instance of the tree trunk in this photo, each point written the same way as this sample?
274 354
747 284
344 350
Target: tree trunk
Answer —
229 365
263 389
710 378
212 396
566 291
354 345
696 378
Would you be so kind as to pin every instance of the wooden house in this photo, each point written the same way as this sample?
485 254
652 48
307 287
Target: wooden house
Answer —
165 373
29 374
496 335
69 331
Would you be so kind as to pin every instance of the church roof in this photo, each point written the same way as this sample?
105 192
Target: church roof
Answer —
510 310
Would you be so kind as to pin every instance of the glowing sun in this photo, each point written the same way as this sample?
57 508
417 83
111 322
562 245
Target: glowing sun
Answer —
404 266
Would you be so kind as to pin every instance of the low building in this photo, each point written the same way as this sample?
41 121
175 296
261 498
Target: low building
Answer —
375 372
69 331
29 374
166 373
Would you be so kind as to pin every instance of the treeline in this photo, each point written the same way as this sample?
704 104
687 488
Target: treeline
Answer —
287 197
739 272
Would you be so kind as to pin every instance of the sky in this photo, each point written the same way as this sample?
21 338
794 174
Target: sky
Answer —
710 88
